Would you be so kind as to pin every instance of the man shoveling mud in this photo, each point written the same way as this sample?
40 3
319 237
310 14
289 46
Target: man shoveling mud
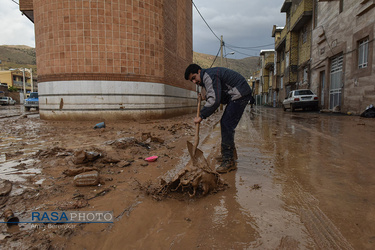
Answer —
223 86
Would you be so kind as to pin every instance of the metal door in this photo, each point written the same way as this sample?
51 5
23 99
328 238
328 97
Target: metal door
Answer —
322 87
336 83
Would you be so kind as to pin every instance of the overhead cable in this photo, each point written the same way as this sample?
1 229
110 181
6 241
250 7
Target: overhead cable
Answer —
216 57
205 20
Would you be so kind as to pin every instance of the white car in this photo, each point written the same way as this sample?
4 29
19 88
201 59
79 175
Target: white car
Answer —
6 100
301 99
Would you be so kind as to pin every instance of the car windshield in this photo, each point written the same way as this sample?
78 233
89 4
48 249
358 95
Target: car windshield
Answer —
34 95
3 97
303 92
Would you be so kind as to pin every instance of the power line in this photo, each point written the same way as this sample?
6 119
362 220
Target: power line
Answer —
250 48
205 20
239 52
215 57
232 47
15 2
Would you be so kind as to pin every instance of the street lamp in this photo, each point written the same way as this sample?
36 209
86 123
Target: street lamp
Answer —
230 53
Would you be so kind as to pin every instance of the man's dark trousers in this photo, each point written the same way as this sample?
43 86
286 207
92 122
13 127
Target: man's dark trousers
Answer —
229 121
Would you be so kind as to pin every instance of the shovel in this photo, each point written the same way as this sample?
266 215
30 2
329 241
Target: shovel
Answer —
195 153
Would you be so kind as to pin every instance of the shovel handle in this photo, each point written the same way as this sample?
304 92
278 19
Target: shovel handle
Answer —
196 138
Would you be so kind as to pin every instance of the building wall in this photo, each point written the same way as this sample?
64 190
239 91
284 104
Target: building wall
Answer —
338 33
6 77
90 46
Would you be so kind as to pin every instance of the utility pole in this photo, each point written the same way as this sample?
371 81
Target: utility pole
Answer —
24 83
221 59
32 82
221 51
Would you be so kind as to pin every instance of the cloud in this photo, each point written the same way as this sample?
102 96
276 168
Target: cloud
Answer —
16 29
242 23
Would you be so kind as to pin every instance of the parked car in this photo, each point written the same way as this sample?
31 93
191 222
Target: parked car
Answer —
6 100
301 99
32 101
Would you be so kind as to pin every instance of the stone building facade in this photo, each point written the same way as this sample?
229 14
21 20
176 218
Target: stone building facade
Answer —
267 77
293 47
112 59
342 66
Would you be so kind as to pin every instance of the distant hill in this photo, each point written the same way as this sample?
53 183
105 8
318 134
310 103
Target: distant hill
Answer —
21 56
244 66
17 56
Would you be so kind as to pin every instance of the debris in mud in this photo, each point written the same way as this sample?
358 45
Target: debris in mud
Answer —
82 156
5 188
55 151
369 112
99 125
76 171
90 178
10 218
256 187
123 143
151 158
101 193
191 180
67 205
175 127
10 155
147 137
125 163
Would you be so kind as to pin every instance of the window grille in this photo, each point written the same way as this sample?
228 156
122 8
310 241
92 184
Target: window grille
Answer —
363 53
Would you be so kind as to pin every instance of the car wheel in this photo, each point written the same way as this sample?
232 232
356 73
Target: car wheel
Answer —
284 107
292 107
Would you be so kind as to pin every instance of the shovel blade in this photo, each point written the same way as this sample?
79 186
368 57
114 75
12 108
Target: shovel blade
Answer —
197 157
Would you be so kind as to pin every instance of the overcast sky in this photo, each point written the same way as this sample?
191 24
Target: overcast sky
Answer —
243 23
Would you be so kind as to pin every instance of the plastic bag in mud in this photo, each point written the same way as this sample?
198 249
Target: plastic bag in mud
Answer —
369 112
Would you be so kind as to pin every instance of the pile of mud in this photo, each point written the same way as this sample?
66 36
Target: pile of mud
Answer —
191 181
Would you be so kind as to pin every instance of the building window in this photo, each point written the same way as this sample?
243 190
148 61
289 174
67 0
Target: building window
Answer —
363 53
281 82
287 60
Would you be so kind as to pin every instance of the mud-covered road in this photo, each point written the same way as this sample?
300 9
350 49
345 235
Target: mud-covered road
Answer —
305 180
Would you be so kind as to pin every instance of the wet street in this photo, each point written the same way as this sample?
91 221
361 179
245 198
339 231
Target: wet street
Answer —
305 180
316 174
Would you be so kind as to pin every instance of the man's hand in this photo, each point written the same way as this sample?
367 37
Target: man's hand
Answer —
202 95
197 119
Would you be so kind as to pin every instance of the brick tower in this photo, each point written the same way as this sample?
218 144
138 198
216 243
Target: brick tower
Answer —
110 60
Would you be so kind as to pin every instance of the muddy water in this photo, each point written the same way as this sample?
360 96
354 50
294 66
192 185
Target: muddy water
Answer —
322 177
304 181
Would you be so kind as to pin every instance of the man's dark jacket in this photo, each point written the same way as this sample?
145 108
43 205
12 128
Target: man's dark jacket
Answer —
222 86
